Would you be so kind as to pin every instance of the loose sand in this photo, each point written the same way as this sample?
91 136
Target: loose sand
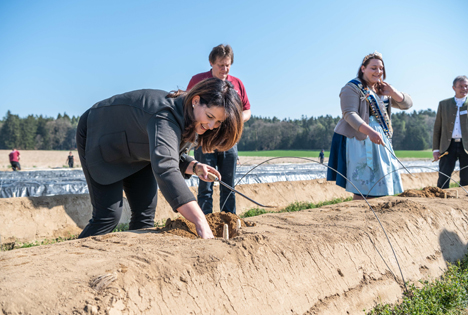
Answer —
330 260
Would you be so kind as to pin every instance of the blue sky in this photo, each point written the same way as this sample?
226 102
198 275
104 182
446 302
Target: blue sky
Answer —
293 57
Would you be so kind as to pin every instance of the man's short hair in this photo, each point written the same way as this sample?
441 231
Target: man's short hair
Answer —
221 51
460 78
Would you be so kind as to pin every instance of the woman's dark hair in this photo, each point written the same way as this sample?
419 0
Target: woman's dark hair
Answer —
219 93
364 63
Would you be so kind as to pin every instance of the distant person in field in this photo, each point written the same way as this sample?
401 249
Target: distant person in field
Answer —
451 134
357 149
70 160
14 160
321 156
221 58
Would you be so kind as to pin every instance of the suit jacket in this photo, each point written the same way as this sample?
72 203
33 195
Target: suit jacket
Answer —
445 122
127 132
355 111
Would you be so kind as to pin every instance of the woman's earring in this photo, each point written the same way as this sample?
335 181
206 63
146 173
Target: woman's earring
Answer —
193 105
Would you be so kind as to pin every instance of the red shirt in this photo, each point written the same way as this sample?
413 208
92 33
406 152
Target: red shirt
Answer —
14 155
238 86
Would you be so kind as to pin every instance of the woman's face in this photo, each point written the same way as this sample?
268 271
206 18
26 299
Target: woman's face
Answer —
373 72
206 118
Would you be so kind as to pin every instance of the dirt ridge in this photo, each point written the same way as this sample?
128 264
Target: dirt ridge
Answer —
28 219
331 260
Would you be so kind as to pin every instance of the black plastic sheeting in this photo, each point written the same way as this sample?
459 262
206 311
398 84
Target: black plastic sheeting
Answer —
42 183
66 181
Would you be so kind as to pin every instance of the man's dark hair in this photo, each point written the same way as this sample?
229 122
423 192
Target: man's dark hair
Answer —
459 78
221 51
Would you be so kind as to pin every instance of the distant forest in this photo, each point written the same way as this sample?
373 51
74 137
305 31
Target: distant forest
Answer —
412 131
38 132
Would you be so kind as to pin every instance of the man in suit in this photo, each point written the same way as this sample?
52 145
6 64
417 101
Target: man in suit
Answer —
451 134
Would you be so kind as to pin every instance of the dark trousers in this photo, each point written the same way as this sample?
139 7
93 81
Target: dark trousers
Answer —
140 189
226 163
447 165
15 165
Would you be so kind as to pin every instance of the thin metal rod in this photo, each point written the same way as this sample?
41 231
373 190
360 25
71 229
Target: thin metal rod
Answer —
213 177
397 159
364 198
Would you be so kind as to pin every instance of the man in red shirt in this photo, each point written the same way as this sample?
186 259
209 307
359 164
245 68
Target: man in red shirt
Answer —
221 58
14 160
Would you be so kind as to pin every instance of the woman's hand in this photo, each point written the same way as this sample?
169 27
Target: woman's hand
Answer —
387 89
374 136
192 212
202 170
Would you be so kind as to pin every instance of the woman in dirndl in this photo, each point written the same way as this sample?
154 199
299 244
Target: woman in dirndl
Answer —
361 147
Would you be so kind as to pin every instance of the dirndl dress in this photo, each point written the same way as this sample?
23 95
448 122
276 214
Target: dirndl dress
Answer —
370 168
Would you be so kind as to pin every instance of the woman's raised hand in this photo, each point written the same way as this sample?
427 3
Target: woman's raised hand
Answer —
387 89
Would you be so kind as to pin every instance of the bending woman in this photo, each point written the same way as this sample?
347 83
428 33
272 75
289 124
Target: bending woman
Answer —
362 138
139 140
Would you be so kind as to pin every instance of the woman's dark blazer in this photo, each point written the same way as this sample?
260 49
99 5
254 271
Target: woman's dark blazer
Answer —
128 131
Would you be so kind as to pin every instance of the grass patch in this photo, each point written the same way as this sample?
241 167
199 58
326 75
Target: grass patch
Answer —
254 212
447 295
122 227
453 185
296 206
424 154
16 245
280 153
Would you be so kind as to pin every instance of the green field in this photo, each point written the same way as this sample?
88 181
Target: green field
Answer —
426 154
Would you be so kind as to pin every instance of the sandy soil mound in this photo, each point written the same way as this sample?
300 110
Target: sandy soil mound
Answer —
329 260
182 227
28 219
429 192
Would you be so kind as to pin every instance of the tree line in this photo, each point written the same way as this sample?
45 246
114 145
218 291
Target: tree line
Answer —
412 131
38 132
